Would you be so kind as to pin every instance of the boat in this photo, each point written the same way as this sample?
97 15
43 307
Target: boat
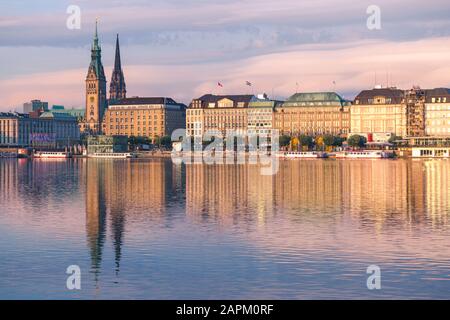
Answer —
364 154
51 155
112 155
305 155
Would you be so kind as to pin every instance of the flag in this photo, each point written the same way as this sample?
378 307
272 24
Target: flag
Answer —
219 84
248 83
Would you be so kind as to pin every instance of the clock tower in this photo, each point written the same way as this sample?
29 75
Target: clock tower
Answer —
95 90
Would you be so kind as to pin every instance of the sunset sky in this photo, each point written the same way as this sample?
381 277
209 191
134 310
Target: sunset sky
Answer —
182 48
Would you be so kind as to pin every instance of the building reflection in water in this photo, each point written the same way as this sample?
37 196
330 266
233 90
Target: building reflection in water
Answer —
228 193
121 190
95 212
380 192
123 196
417 190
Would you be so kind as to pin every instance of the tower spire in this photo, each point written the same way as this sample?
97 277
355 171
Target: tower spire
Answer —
95 45
117 63
117 89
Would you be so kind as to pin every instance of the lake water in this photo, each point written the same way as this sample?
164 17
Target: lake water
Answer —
150 229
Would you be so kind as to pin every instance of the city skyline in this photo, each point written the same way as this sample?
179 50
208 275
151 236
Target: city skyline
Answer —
183 53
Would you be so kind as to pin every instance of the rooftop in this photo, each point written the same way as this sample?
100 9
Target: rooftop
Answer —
437 93
208 99
13 115
316 98
236 98
391 95
56 116
142 100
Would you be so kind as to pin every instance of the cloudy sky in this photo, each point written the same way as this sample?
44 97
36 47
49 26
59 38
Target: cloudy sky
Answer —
182 48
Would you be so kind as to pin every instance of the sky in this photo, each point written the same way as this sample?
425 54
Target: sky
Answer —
183 48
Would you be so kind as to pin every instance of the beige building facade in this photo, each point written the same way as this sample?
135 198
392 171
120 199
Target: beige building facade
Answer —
144 117
217 113
378 114
313 114
437 112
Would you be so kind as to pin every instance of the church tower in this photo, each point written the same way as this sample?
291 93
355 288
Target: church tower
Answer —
117 89
95 89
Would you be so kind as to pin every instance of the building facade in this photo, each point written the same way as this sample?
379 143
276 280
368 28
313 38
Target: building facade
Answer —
95 90
260 115
313 114
35 105
49 130
144 117
379 114
437 112
218 113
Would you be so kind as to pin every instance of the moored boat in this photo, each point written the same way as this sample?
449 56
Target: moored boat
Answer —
305 155
364 154
51 155
112 155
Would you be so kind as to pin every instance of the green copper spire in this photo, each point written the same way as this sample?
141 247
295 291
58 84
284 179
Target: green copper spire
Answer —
96 55
95 45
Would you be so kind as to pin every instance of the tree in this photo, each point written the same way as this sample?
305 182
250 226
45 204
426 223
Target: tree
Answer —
284 141
305 141
166 141
294 143
329 140
133 140
357 141
394 138
319 141
338 141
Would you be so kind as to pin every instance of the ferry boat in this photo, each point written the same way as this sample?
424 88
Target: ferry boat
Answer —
305 155
51 155
112 155
364 154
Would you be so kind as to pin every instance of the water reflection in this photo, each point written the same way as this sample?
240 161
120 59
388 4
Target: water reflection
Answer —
288 227
120 188
375 190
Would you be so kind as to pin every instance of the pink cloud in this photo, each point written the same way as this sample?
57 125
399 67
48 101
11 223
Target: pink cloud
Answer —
315 67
